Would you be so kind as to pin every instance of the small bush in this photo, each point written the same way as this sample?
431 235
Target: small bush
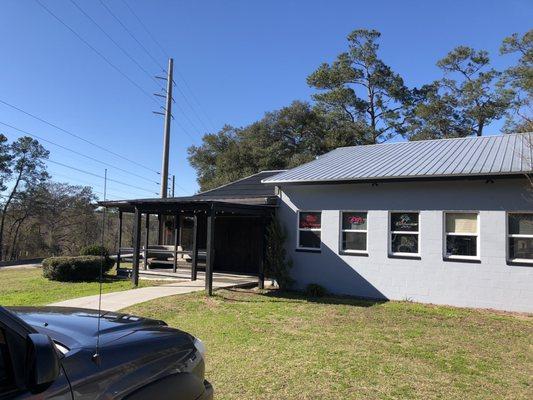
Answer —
315 290
94 250
74 269
277 265
98 250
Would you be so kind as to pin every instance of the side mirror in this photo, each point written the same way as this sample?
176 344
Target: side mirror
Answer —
42 361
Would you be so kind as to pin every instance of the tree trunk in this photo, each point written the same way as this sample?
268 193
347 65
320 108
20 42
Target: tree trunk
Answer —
4 212
480 125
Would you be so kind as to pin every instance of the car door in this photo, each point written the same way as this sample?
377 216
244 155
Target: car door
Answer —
13 367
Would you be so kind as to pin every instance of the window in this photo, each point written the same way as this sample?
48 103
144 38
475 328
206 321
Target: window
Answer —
520 237
353 231
309 224
461 235
404 233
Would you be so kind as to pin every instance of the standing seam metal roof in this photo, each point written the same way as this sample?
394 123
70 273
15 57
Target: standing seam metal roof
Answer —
471 156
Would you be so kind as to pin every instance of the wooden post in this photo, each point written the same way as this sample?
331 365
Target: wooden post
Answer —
119 238
194 261
210 251
147 237
136 247
176 240
159 229
262 239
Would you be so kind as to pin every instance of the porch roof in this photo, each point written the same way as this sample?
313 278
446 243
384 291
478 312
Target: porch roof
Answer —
244 196
193 204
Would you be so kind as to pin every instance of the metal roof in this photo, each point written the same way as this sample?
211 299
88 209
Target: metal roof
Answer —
250 186
461 157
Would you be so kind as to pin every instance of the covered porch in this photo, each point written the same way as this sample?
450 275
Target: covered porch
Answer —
194 236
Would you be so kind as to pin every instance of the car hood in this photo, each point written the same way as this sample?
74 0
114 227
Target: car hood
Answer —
78 327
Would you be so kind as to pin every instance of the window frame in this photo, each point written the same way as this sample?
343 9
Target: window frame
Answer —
509 235
298 230
341 231
445 235
417 233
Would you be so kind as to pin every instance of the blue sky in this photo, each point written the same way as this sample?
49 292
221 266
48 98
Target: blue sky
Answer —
238 60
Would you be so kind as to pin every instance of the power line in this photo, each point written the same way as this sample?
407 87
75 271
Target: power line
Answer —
165 53
83 182
132 35
98 176
78 153
115 42
77 136
96 51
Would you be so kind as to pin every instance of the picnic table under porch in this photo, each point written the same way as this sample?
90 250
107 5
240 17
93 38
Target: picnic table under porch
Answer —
193 235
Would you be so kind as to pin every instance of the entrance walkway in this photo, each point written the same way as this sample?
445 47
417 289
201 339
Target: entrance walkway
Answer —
118 300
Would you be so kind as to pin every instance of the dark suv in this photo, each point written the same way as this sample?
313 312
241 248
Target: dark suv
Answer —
50 353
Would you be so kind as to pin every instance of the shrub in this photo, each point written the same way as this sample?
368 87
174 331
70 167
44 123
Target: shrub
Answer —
98 250
74 269
94 250
315 290
276 264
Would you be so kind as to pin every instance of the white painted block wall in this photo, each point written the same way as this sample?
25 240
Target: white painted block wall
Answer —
492 283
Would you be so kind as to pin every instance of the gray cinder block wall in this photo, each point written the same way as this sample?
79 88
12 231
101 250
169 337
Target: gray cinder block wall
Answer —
492 283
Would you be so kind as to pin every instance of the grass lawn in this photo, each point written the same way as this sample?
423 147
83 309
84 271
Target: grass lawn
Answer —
26 286
274 346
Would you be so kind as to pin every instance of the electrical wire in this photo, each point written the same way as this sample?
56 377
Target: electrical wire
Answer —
116 44
165 53
77 136
98 176
132 35
78 153
97 52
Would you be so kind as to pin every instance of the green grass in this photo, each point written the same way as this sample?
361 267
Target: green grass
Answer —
26 286
275 346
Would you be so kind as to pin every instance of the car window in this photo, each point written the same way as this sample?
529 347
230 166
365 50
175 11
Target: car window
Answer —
6 378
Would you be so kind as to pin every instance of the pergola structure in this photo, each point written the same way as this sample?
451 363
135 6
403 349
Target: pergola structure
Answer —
203 210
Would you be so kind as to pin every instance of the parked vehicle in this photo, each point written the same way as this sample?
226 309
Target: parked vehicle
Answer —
50 353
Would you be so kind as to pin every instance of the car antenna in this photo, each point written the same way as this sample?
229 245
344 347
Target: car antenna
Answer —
96 356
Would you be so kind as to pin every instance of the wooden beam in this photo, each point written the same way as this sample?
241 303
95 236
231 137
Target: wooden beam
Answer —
119 238
159 229
262 247
136 247
210 252
146 240
176 240
194 261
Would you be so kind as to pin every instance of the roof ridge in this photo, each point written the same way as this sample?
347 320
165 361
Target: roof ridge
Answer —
434 140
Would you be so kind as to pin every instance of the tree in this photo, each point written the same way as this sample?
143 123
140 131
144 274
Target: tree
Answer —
360 90
27 169
281 139
519 78
434 115
474 95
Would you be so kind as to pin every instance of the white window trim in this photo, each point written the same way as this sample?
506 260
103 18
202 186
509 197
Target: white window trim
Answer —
477 257
391 232
515 235
298 229
341 231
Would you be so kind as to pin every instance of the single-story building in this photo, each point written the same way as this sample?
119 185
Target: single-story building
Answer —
436 221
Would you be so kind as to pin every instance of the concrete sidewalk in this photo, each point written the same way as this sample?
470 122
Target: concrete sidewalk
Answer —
118 300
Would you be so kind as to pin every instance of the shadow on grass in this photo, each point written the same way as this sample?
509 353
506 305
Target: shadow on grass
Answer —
286 296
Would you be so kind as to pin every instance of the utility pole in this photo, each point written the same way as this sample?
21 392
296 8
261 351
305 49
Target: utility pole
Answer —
166 132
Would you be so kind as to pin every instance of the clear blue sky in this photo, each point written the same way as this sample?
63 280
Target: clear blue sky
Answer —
240 58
